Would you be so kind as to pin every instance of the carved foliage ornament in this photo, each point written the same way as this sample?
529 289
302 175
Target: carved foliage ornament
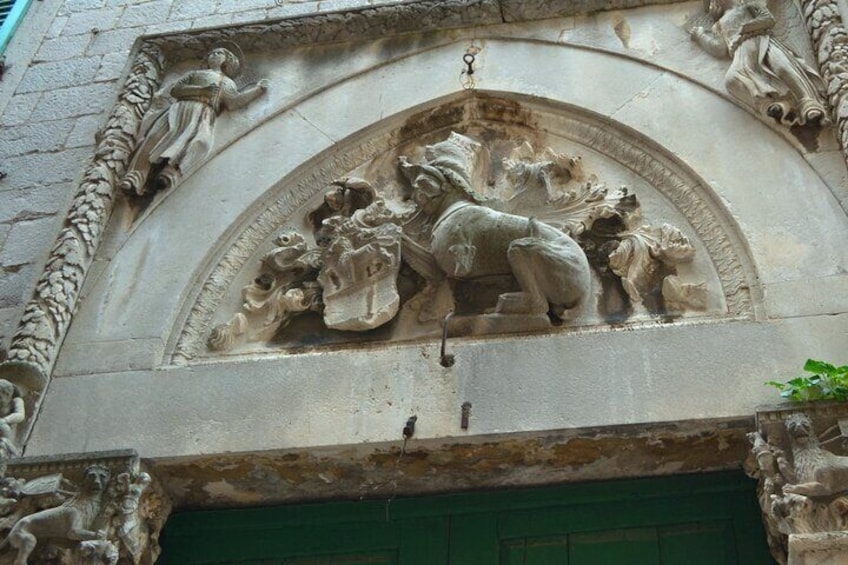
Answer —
506 254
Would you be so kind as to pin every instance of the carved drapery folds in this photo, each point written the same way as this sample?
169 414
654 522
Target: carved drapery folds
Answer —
176 136
803 481
508 247
765 73
93 510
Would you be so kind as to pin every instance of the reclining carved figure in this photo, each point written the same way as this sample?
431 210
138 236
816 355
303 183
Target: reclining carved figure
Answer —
470 241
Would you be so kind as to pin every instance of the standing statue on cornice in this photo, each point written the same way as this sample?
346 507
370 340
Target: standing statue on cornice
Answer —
175 141
764 72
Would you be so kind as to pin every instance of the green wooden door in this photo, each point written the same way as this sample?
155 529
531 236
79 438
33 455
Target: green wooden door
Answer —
688 520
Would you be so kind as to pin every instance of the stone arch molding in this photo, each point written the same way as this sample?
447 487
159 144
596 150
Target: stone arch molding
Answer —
505 124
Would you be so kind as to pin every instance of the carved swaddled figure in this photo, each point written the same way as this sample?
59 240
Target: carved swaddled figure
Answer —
469 240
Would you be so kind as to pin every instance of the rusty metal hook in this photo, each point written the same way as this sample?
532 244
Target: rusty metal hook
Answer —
446 359
468 59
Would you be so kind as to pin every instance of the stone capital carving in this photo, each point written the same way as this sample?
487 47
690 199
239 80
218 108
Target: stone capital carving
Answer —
100 509
803 479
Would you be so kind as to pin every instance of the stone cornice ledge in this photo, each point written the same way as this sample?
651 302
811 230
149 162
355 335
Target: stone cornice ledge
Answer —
373 22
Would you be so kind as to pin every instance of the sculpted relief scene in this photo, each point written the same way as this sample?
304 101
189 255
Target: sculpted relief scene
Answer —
473 234
101 511
803 483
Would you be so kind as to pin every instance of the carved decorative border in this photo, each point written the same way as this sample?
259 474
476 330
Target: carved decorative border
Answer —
47 316
830 41
642 156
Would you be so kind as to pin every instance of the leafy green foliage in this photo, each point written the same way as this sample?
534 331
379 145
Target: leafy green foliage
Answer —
826 382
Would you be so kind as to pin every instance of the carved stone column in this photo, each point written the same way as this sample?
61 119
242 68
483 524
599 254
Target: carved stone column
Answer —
803 481
47 316
100 509
830 40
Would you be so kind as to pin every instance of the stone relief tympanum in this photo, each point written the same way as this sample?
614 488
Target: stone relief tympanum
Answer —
764 73
526 249
175 138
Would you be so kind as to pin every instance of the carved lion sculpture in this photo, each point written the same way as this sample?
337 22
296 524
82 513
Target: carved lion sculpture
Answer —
472 241
70 521
819 473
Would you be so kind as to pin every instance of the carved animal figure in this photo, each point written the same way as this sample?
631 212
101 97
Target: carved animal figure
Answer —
470 240
819 473
70 521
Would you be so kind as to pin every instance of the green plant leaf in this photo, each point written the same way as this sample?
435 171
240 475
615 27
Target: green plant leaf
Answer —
814 366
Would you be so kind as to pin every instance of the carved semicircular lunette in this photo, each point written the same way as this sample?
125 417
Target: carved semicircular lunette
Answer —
661 247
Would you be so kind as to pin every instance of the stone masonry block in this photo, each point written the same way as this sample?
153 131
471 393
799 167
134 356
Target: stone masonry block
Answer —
82 135
71 6
298 9
16 285
55 29
191 9
113 41
76 101
44 168
226 6
19 109
251 16
145 14
212 21
9 318
111 67
85 22
65 47
35 202
28 240
59 74
42 136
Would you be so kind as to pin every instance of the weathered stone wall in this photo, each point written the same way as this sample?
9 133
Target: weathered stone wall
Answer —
63 70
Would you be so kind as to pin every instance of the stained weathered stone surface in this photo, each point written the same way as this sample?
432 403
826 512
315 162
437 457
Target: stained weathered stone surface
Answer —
431 466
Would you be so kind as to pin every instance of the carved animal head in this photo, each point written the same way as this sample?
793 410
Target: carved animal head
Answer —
96 478
799 427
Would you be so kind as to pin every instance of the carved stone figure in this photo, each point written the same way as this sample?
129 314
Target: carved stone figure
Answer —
175 141
818 473
12 413
806 493
764 73
469 241
131 529
70 521
509 253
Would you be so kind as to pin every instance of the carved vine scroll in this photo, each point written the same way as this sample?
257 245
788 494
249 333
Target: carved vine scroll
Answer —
47 316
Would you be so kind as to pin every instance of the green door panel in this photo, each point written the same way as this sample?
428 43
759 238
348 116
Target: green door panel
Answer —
683 520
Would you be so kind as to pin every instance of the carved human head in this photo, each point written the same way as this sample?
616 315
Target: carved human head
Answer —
7 391
230 63
96 478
